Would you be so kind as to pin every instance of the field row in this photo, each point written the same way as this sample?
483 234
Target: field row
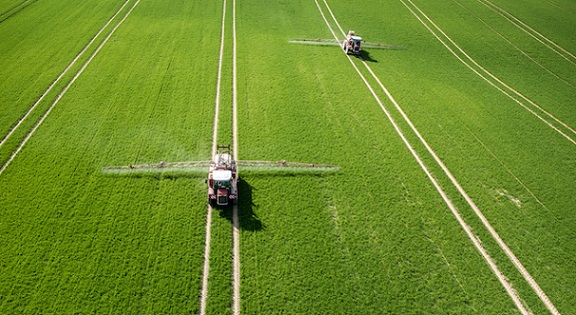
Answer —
123 244
375 237
493 178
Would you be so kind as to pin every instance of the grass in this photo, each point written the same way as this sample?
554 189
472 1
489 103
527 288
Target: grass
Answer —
372 237
333 128
455 109
38 44
220 278
77 240
434 109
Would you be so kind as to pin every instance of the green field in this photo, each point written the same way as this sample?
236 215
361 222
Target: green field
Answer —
375 237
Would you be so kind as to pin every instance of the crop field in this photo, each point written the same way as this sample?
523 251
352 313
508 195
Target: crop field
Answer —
455 141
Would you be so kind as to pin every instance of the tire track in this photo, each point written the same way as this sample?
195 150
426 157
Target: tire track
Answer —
16 9
209 211
84 66
528 278
511 256
477 210
507 169
557 6
548 43
473 237
235 220
11 131
487 76
543 67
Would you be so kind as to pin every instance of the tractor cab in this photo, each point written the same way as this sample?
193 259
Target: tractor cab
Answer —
222 185
356 43
223 179
352 43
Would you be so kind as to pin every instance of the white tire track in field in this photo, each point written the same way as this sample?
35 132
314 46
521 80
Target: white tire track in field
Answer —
61 75
469 200
218 83
528 56
543 67
206 269
548 43
468 230
488 73
543 297
235 219
507 169
477 211
29 135
13 10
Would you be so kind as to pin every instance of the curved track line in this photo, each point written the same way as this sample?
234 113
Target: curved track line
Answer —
61 75
512 90
29 135
548 43
206 269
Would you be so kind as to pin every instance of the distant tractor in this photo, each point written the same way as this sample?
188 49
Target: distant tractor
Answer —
223 178
352 44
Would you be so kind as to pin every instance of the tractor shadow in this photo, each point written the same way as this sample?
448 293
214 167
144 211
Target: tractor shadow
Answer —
365 55
247 218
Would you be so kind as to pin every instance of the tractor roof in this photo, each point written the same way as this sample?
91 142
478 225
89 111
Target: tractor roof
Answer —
222 175
356 38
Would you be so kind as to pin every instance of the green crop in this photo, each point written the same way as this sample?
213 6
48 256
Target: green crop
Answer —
371 237
76 240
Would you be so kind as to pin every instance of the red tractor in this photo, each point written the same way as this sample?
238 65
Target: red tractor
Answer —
223 178
352 44
223 172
